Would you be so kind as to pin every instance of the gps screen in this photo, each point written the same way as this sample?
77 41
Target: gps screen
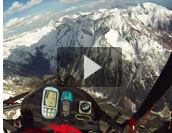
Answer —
50 98
66 107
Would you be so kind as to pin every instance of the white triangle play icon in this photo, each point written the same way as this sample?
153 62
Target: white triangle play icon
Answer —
90 67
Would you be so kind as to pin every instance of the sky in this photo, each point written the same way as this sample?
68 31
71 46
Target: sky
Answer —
24 15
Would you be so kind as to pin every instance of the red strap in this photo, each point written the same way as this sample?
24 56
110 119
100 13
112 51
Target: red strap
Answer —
145 117
64 128
34 130
170 125
132 123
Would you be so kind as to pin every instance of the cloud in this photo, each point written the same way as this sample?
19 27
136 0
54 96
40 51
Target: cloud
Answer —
95 5
48 13
17 21
68 1
18 7
19 25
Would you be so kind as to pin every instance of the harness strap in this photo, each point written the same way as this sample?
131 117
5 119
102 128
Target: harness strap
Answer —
170 125
64 128
52 128
146 117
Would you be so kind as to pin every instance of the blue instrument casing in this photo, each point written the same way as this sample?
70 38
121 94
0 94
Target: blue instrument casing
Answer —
49 103
66 103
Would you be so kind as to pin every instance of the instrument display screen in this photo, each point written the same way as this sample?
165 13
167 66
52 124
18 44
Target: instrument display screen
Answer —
65 107
50 98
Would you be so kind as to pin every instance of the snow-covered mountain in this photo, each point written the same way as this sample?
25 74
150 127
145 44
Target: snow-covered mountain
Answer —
144 33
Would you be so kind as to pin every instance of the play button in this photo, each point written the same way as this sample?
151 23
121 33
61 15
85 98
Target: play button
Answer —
90 67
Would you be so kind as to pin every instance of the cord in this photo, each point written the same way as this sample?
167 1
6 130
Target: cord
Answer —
81 119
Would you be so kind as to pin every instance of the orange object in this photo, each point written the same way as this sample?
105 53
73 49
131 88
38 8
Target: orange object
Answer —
170 125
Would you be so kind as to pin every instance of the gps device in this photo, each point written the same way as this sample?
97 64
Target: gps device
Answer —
50 98
85 107
66 103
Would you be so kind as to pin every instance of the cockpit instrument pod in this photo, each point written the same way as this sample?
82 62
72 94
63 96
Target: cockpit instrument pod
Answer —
66 103
85 107
50 98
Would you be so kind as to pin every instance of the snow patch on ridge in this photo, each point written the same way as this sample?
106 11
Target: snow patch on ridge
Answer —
27 40
116 40
96 94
